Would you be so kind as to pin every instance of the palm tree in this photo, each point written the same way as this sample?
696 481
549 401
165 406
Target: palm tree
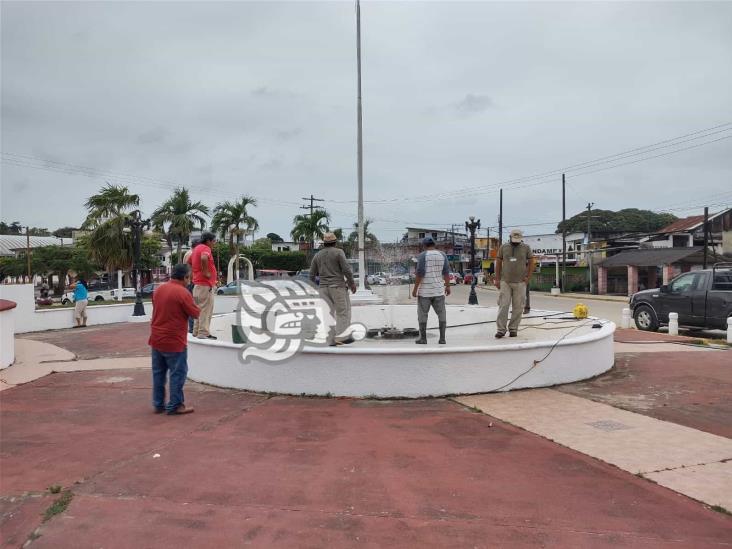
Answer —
111 202
108 213
232 218
181 217
310 226
370 239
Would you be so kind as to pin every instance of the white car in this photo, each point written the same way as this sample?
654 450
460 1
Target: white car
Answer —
100 295
126 293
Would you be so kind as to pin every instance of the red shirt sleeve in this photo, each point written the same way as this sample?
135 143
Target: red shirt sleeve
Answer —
189 305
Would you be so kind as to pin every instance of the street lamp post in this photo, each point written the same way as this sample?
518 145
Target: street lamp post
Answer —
136 225
472 226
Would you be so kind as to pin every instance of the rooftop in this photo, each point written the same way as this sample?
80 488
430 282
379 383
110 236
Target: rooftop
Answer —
11 242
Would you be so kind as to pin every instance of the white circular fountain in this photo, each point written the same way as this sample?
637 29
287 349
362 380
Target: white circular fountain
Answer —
551 348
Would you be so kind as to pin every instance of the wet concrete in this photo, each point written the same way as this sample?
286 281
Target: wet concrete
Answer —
691 389
246 469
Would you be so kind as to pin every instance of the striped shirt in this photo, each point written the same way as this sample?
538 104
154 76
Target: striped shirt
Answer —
432 266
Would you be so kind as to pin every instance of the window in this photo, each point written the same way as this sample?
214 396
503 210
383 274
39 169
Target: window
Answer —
723 281
434 235
684 283
421 235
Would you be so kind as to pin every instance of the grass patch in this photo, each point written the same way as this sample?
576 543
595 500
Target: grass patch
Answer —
58 506
720 509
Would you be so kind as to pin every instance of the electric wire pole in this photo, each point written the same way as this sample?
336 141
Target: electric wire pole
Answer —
706 233
312 208
589 239
564 235
500 219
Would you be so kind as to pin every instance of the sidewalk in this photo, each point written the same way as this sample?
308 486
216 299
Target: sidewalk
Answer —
568 295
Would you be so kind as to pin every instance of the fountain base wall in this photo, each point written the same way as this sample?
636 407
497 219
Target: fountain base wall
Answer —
472 362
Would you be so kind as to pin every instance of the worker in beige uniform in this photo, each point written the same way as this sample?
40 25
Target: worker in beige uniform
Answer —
514 266
336 278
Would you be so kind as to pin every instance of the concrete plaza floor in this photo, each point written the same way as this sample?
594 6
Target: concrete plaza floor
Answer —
537 468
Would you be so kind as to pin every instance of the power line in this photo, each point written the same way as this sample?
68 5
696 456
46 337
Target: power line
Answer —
546 177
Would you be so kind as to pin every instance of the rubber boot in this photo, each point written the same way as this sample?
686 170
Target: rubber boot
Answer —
443 326
422 334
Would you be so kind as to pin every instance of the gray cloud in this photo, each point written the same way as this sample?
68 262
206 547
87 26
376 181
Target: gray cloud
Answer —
154 135
473 104
259 98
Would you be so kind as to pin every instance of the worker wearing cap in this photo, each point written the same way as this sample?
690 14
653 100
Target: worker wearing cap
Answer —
514 266
336 278
431 286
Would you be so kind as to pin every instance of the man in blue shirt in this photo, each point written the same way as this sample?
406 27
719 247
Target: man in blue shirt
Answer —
81 299
431 286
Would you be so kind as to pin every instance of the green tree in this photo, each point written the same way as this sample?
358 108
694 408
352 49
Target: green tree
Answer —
233 217
52 260
38 231
10 228
111 201
310 227
150 252
108 242
628 220
178 216
370 240
64 232
262 244
274 237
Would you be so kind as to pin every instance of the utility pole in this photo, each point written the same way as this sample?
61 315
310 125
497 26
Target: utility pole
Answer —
359 165
589 239
564 234
706 233
28 251
500 219
312 208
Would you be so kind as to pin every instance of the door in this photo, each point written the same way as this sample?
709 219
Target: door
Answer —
698 295
678 298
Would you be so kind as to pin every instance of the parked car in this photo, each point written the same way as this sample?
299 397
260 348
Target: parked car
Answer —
126 293
148 289
232 288
702 299
93 295
455 278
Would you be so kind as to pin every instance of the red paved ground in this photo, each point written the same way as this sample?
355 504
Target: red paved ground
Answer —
691 389
281 472
125 339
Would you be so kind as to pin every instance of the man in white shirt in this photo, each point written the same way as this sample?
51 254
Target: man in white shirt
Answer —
431 286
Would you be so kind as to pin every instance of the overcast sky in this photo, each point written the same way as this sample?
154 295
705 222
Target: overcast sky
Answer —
259 98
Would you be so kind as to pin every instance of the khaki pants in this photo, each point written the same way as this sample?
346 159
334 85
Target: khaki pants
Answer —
80 310
204 298
513 295
340 307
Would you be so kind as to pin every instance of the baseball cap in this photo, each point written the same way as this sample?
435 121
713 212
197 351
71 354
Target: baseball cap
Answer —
517 235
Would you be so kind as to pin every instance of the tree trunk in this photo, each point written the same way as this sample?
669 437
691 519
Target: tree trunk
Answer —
180 245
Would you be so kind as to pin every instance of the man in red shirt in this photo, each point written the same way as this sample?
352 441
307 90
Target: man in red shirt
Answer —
172 305
204 284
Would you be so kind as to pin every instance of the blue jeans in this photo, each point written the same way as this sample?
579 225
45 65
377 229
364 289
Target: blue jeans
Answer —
177 365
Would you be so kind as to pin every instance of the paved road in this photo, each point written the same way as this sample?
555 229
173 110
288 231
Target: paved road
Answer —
611 310
248 469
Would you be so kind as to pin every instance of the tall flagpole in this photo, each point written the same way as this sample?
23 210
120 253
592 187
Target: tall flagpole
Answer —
361 235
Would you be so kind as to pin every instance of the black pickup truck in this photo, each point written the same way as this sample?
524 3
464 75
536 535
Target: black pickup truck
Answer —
702 299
